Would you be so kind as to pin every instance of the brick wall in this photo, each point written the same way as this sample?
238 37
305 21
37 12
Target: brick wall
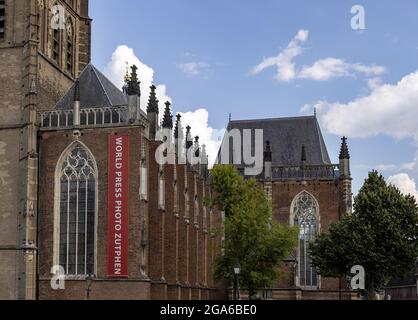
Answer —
171 239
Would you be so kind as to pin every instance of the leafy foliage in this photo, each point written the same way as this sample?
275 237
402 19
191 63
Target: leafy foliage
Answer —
381 236
251 235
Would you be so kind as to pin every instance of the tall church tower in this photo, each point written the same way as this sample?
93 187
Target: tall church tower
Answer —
44 44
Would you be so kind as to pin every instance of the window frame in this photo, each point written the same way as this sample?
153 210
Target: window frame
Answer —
57 207
292 220
69 51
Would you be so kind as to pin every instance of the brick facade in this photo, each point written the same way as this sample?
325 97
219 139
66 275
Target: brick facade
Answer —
179 253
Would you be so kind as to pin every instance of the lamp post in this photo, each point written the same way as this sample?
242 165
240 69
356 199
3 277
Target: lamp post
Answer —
237 271
89 282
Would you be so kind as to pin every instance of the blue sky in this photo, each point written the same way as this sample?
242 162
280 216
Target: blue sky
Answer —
204 54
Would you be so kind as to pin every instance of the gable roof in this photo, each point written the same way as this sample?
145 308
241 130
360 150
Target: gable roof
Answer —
95 91
287 136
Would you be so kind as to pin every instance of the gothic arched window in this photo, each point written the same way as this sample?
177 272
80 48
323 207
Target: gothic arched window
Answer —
76 188
305 213
69 46
57 22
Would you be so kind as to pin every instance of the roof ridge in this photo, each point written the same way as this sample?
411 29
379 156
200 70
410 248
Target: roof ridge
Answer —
273 119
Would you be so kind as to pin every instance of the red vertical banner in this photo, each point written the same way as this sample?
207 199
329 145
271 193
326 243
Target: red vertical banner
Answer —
118 206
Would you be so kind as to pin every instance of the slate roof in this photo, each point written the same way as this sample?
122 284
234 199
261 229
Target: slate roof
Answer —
96 91
287 136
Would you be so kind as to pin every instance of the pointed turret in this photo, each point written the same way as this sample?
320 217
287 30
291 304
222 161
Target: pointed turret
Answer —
152 113
345 179
133 83
178 129
126 80
134 92
189 139
344 153
344 159
152 101
196 146
168 117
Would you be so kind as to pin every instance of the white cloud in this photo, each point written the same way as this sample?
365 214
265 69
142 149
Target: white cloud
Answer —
209 136
321 70
324 69
193 68
116 70
328 68
388 109
405 184
284 60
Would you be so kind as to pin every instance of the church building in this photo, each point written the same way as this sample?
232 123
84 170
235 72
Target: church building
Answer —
307 190
86 210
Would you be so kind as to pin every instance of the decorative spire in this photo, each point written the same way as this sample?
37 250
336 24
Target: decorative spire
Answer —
77 90
344 153
178 130
196 146
133 83
304 158
153 102
168 117
127 78
189 140
315 113
230 117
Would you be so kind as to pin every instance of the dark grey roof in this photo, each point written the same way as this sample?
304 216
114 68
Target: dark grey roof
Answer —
96 91
287 136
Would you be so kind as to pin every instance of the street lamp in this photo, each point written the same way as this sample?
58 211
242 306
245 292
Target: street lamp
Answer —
89 281
237 271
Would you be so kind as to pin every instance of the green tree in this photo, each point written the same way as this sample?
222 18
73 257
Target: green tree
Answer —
381 235
251 236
